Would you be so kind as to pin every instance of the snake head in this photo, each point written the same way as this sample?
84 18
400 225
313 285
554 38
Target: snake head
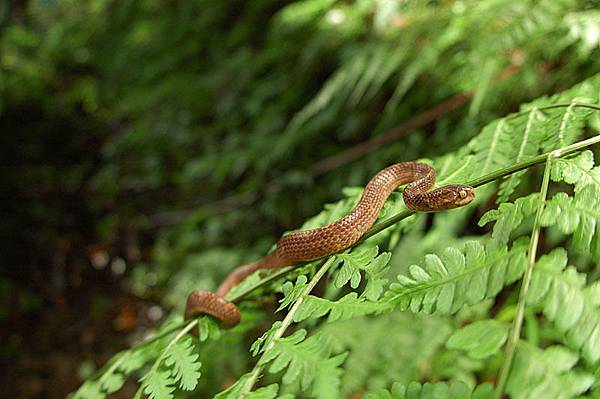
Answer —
455 196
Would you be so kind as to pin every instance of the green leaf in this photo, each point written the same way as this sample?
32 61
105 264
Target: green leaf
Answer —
440 390
307 362
353 263
347 307
548 373
579 216
447 282
480 339
258 345
509 216
566 301
291 292
111 382
578 171
376 272
158 384
184 364
89 390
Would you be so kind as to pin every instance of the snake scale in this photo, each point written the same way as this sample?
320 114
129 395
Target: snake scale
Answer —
312 244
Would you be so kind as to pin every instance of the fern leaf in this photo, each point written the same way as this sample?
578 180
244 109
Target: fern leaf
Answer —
578 171
566 301
111 382
509 216
352 264
528 145
236 391
578 215
443 284
258 345
184 364
291 291
452 390
347 307
376 272
158 384
89 390
307 362
480 339
135 359
513 137
548 373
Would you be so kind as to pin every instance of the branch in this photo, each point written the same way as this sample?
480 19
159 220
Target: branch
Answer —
398 132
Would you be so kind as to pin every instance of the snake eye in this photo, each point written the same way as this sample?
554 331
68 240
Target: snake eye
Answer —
462 194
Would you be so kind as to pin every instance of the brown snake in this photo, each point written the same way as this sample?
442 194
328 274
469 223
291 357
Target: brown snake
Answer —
335 237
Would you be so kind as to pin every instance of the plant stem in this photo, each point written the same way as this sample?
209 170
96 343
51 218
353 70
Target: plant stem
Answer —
287 321
515 331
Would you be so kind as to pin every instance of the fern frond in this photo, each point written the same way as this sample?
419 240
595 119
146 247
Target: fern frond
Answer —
184 364
236 391
578 215
548 373
529 144
509 216
480 339
89 390
307 362
445 283
541 126
565 300
578 171
347 307
258 345
365 259
452 390
292 291
158 384
352 264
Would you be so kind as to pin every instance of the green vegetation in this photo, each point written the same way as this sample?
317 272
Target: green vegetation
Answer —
191 134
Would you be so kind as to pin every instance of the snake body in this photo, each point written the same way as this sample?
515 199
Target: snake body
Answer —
313 244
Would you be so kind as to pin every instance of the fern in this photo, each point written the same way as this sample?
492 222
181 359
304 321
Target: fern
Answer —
546 373
445 283
564 298
453 390
480 339
158 384
184 364
347 307
307 362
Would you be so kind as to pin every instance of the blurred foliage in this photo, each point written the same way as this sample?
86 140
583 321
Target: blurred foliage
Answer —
180 138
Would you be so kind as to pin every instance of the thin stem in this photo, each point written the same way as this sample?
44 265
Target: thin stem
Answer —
515 331
287 321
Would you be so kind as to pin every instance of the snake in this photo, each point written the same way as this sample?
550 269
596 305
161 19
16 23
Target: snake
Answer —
307 245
